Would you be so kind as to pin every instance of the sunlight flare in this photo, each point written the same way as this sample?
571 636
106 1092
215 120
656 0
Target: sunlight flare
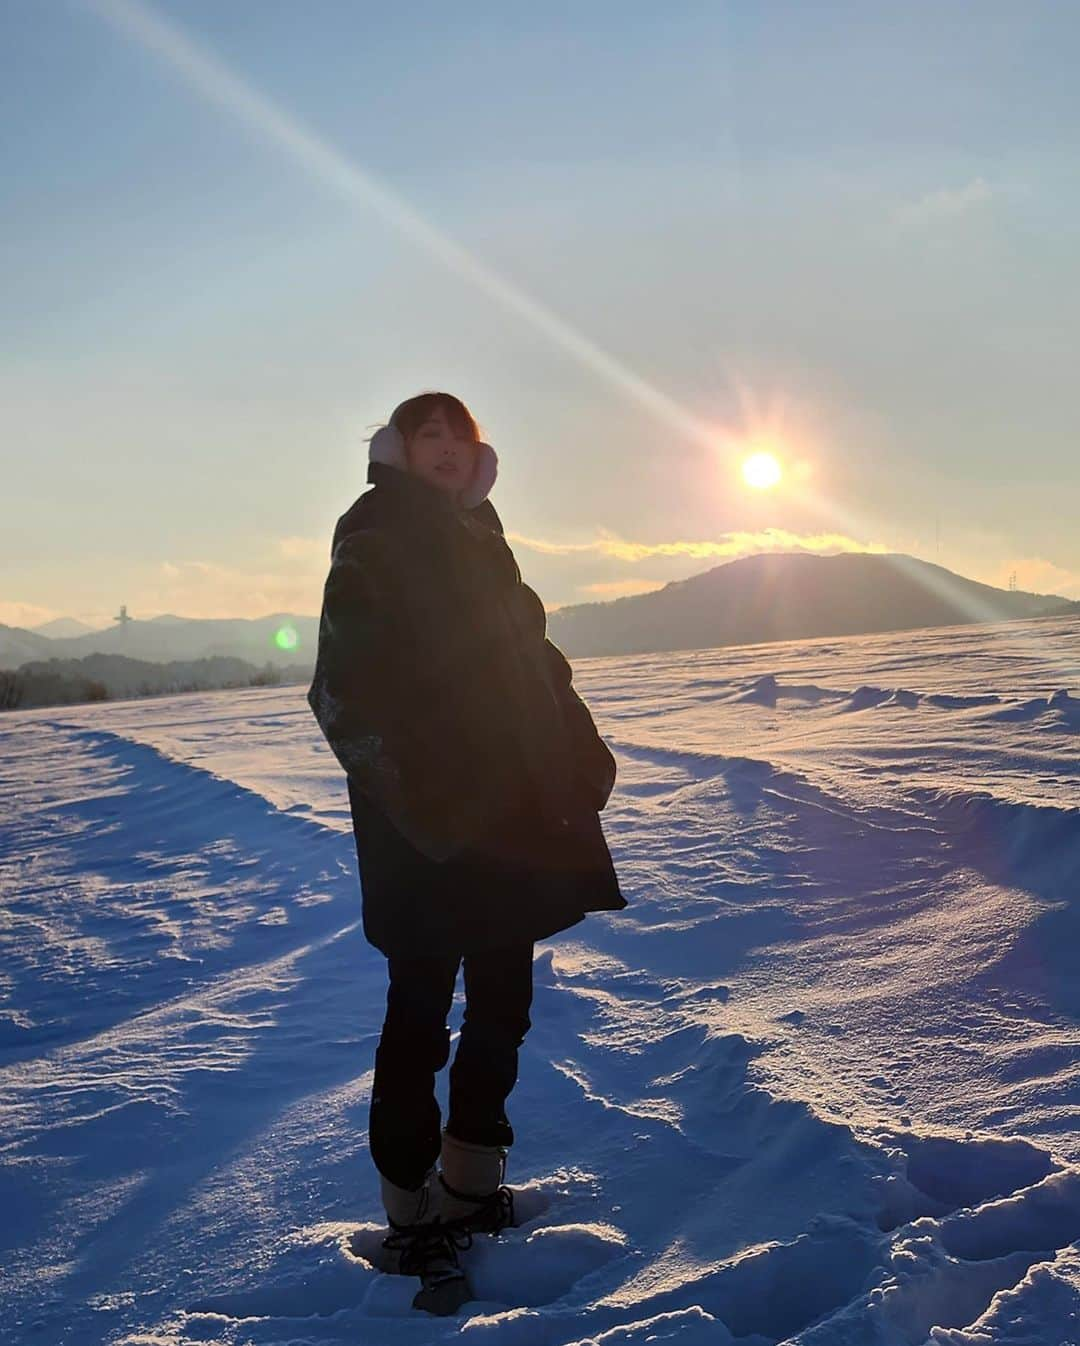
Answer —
220 85
761 471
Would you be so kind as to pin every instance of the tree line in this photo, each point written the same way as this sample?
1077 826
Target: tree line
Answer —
109 677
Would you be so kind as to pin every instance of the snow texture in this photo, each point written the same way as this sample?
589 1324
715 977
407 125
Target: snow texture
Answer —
818 1085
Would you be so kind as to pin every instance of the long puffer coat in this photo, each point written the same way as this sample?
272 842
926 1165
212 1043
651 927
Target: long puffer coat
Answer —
476 774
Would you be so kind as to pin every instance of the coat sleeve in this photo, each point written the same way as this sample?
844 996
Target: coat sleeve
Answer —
594 759
347 694
370 697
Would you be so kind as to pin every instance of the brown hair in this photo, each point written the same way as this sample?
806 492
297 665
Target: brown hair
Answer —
411 415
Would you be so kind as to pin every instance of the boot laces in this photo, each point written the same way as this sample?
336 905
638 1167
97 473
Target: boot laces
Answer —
500 1209
490 1214
423 1247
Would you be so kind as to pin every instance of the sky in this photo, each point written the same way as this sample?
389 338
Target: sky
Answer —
641 241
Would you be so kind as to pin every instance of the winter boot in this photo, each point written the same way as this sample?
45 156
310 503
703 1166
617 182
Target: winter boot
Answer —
472 1197
419 1244
404 1207
430 1251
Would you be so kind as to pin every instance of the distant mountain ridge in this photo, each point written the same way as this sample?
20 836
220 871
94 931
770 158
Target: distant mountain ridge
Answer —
164 639
791 596
773 596
62 626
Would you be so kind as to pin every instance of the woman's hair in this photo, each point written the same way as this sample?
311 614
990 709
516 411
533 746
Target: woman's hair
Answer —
411 415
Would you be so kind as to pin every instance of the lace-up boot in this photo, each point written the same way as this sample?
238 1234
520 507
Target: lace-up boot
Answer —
472 1196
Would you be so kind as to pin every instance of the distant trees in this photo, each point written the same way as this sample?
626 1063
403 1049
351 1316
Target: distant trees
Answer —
40 685
103 677
267 676
10 690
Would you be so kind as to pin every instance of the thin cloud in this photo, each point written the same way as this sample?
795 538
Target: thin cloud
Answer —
621 588
207 589
948 203
14 613
728 546
28 615
305 549
1036 575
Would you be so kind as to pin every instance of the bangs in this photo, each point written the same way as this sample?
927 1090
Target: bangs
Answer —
411 415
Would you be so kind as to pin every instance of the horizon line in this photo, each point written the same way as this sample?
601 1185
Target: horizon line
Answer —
285 614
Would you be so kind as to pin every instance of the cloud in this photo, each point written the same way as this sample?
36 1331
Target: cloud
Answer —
727 547
604 589
948 203
1038 576
289 580
305 549
14 613
287 577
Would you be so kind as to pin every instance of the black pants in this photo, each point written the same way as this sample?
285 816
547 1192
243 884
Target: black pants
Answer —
405 1121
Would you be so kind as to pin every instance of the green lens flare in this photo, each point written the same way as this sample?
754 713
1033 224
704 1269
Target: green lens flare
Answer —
285 638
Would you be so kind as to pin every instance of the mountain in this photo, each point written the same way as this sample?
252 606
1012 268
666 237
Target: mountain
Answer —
63 626
17 646
161 641
758 598
790 596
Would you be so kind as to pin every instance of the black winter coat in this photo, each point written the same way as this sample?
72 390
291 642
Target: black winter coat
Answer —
476 774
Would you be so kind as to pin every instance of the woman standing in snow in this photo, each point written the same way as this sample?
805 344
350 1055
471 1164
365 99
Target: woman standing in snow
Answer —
476 777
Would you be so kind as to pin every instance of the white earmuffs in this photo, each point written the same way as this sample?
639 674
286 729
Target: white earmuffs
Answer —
387 446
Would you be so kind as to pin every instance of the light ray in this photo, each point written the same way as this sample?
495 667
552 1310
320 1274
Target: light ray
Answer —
212 79
215 82
940 582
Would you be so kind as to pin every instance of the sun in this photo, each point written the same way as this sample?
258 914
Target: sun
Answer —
761 471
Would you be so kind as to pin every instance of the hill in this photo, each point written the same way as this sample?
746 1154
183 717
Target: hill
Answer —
790 597
63 626
18 645
750 601
164 639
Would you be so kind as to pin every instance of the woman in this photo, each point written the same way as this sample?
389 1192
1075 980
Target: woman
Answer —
475 778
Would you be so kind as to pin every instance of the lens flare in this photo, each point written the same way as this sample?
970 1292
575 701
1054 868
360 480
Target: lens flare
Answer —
286 638
761 470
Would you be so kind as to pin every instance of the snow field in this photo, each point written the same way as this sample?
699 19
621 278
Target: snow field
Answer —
817 1085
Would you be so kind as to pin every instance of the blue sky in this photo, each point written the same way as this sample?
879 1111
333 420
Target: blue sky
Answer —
848 230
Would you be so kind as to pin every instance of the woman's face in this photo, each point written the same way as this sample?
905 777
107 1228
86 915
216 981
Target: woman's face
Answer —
439 456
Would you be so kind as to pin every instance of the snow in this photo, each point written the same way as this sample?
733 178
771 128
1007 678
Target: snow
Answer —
818 1084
